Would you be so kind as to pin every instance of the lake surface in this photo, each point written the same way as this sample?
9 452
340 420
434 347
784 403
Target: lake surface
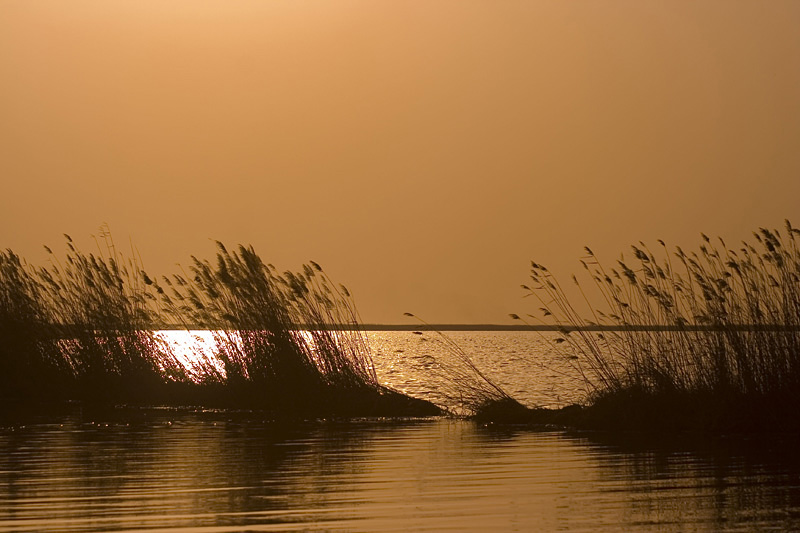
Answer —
219 471
522 362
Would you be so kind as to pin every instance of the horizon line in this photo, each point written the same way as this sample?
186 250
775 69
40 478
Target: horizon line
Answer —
526 327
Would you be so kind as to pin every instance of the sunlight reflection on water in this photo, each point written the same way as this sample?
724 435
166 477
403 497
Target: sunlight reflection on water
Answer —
128 469
519 361
189 345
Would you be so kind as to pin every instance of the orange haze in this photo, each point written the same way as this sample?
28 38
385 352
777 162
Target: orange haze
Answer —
422 151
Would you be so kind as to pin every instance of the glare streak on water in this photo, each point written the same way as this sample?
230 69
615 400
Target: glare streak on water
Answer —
519 361
217 472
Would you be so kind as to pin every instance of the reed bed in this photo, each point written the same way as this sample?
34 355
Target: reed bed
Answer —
84 327
283 339
708 337
26 350
81 328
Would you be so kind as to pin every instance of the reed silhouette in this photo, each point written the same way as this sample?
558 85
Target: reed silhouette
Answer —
26 349
701 339
288 341
80 328
668 339
85 328
462 388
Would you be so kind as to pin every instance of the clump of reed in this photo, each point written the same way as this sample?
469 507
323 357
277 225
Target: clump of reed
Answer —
80 328
84 327
290 342
99 307
461 387
711 335
26 338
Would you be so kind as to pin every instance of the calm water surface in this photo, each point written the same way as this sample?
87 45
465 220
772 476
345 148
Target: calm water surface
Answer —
520 361
211 471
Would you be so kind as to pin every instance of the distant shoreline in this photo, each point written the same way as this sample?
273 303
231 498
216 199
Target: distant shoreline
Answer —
515 327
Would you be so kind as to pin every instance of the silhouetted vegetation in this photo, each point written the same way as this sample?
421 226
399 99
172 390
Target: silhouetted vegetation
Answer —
730 356
26 348
278 338
462 386
80 328
706 340
85 328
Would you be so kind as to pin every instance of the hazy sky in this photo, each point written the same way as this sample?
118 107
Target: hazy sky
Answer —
423 151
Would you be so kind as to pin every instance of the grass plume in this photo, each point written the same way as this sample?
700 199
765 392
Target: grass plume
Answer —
463 387
84 327
291 341
711 334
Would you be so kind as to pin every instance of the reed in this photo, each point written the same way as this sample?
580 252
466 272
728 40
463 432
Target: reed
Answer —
27 349
289 342
461 387
80 328
84 327
100 309
712 335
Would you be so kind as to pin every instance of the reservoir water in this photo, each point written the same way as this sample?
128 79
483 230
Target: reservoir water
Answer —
199 470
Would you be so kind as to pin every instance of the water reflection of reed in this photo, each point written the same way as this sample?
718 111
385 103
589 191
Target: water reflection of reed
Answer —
719 481
126 469
227 471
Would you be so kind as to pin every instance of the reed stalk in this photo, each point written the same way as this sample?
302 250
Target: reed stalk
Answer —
292 342
717 323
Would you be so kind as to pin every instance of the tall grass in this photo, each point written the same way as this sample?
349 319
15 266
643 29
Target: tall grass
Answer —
28 358
718 323
81 326
290 341
462 387
101 308
84 327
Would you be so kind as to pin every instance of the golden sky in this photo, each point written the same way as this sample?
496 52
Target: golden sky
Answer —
422 151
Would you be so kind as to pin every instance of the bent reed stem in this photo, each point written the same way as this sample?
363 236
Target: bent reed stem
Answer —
718 324
85 328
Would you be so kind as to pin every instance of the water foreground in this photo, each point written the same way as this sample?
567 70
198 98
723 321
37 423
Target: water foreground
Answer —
220 471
